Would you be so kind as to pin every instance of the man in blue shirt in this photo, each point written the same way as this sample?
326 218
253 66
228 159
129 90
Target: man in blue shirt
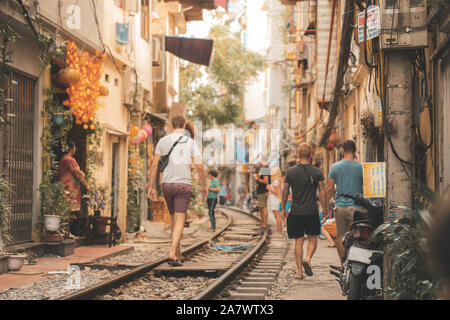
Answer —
347 175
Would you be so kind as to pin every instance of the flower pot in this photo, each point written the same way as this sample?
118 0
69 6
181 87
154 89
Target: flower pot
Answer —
59 62
53 237
100 225
58 118
67 77
52 222
3 264
15 262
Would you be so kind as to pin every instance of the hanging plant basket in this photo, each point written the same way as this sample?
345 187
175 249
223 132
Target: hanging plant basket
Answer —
59 62
67 77
58 118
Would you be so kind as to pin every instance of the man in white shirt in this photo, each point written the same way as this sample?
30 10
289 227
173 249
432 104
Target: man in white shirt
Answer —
176 180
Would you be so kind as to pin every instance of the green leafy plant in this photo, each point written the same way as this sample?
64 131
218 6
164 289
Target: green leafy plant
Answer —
7 36
49 49
54 197
136 154
196 204
5 213
404 242
220 100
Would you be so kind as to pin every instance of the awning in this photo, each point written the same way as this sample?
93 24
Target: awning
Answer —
192 49
115 132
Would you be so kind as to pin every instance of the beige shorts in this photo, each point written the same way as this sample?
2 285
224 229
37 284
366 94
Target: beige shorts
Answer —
344 218
262 200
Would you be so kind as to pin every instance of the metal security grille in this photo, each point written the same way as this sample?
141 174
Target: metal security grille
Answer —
18 157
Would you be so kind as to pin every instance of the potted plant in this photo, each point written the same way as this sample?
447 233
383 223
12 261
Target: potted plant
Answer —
50 51
55 109
16 261
98 199
54 202
5 215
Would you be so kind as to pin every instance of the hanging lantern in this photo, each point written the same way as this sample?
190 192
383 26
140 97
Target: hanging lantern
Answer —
134 131
144 133
148 128
138 138
330 146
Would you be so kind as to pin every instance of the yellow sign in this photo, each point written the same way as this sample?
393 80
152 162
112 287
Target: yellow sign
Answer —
374 176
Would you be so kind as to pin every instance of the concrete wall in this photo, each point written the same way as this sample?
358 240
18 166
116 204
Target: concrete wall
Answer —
59 13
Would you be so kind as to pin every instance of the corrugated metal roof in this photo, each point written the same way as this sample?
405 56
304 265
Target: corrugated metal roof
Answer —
323 33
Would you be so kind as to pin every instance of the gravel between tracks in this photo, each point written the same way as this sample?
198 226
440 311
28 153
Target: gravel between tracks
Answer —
53 286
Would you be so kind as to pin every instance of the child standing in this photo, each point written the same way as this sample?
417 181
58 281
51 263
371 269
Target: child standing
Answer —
213 190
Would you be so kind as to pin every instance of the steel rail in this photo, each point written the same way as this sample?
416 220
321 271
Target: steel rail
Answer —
214 288
102 287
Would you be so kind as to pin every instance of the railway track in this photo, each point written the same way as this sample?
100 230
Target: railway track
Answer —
212 268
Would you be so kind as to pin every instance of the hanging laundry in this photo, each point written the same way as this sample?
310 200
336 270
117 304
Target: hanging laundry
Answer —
301 54
122 33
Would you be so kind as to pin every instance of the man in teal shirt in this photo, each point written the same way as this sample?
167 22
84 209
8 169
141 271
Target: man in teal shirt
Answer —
213 190
347 174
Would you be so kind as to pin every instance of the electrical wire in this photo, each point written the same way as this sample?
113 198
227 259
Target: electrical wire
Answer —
383 98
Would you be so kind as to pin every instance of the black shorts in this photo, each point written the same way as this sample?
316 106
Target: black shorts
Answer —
299 225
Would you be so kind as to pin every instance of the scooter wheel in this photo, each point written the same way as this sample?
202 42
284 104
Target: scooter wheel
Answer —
354 287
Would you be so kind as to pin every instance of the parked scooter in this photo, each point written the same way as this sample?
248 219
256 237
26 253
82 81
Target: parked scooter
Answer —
354 275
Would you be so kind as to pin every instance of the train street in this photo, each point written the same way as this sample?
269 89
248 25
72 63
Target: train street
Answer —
265 151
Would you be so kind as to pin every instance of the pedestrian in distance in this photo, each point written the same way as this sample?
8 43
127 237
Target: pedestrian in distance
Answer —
347 175
303 216
329 231
262 180
176 179
241 192
213 190
222 194
274 199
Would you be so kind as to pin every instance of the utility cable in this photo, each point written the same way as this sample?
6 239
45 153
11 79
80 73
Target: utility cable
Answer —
384 99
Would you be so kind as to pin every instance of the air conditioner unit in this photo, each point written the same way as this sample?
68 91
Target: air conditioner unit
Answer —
403 24
131 6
